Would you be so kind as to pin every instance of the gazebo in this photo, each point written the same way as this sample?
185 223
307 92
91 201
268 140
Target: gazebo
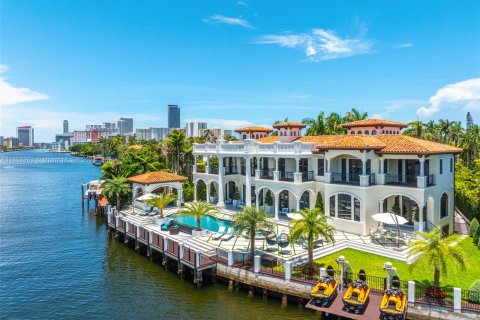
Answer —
148 183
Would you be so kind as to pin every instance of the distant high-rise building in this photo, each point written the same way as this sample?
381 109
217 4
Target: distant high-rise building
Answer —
193 128
25 136
90 127
143 134
159 133
173 116
65 126
110 126
127 125
66 137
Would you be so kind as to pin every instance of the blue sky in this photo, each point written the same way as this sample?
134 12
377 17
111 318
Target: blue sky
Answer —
234 63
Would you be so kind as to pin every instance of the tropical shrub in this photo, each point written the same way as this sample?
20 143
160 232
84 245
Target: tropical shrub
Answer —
473 226
319 202
474 296
467 192
236 194
268 198
348 273
476 236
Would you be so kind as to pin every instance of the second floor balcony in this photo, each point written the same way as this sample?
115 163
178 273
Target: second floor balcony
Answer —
408 180
351 178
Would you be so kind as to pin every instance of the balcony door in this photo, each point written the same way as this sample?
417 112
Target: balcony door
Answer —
355 169
303 165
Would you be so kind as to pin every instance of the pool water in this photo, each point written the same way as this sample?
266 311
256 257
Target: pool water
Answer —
206 222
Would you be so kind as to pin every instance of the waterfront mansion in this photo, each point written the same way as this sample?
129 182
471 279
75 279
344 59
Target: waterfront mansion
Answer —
372 168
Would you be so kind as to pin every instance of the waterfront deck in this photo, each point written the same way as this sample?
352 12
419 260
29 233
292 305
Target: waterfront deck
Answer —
371 312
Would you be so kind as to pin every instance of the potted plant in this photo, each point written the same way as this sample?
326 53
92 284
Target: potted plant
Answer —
213 198
416 219
268 202
235 197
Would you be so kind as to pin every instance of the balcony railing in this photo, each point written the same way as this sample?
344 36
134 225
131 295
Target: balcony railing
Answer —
231 170
266 174
307 176
352 178
285 176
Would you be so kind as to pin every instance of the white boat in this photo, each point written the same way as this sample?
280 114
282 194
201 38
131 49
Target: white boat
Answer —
98 161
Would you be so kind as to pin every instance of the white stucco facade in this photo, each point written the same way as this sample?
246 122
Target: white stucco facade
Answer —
354 184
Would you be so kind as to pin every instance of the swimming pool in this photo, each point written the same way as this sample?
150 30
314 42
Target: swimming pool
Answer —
206 222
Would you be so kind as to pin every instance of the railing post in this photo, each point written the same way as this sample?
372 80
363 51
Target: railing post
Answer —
165 244
197 259
288 270
256 264
323 272
328 177
457 299
230 258
411 291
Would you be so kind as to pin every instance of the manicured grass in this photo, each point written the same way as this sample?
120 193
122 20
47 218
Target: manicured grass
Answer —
373 265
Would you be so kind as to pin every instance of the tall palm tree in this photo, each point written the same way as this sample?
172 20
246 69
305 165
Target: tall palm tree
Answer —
176 143
414 129
333 124
430 131
444 127
311 225
115 188
161 201
315 126
198 210
470 142
251 220
355 115
436 251
455 133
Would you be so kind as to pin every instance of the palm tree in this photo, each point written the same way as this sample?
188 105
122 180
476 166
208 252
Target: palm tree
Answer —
444 128
315 126
115 188
311 225
251 220
176 144
355 115
430 131
436 251
470 142
161 201
333 124
414 129
198 210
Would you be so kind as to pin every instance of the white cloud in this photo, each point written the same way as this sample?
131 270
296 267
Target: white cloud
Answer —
10 95
320 44
463 94
241 3
218 18
405 45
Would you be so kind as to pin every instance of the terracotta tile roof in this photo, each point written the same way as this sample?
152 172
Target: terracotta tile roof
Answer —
347 142
253 129
268 139
404 144
374 122
157 177
289 124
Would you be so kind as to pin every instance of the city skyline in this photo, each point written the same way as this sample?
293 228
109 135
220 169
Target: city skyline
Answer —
221 61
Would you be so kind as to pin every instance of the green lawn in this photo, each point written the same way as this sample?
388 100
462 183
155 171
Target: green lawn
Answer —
373 265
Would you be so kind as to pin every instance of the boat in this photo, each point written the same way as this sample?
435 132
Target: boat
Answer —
394 302
355 298
97 160
325 290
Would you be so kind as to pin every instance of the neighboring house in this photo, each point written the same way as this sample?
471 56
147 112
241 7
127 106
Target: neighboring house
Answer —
371 169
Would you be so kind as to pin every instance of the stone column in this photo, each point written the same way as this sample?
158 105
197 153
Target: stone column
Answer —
208 192
195 192
221 171
381 205
207 166
180 197
248 182
298 203
411 291
420 218
277 204
257 196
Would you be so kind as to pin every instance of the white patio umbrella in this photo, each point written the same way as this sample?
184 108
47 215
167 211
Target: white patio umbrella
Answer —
389 218
146 197
294 216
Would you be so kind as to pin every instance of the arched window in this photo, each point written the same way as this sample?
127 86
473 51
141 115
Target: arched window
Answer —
444 206
374 132
345 206
352 132
359 131
367 132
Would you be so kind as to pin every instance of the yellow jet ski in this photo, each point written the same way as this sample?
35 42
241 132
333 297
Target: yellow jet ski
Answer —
324 292
394 302
355 298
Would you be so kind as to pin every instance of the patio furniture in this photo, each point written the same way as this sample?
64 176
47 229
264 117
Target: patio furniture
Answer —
167 225
220 233
175 229
228 202
283 242
240 203
285 210
228 235
271 239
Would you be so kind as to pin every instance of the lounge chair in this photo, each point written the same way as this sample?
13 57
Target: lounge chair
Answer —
285 210
167 225
220 233
228 235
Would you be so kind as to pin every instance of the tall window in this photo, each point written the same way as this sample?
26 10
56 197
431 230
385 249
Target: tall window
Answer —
444 206
332 206
345 206
320 167
356 212
451 164
441 166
